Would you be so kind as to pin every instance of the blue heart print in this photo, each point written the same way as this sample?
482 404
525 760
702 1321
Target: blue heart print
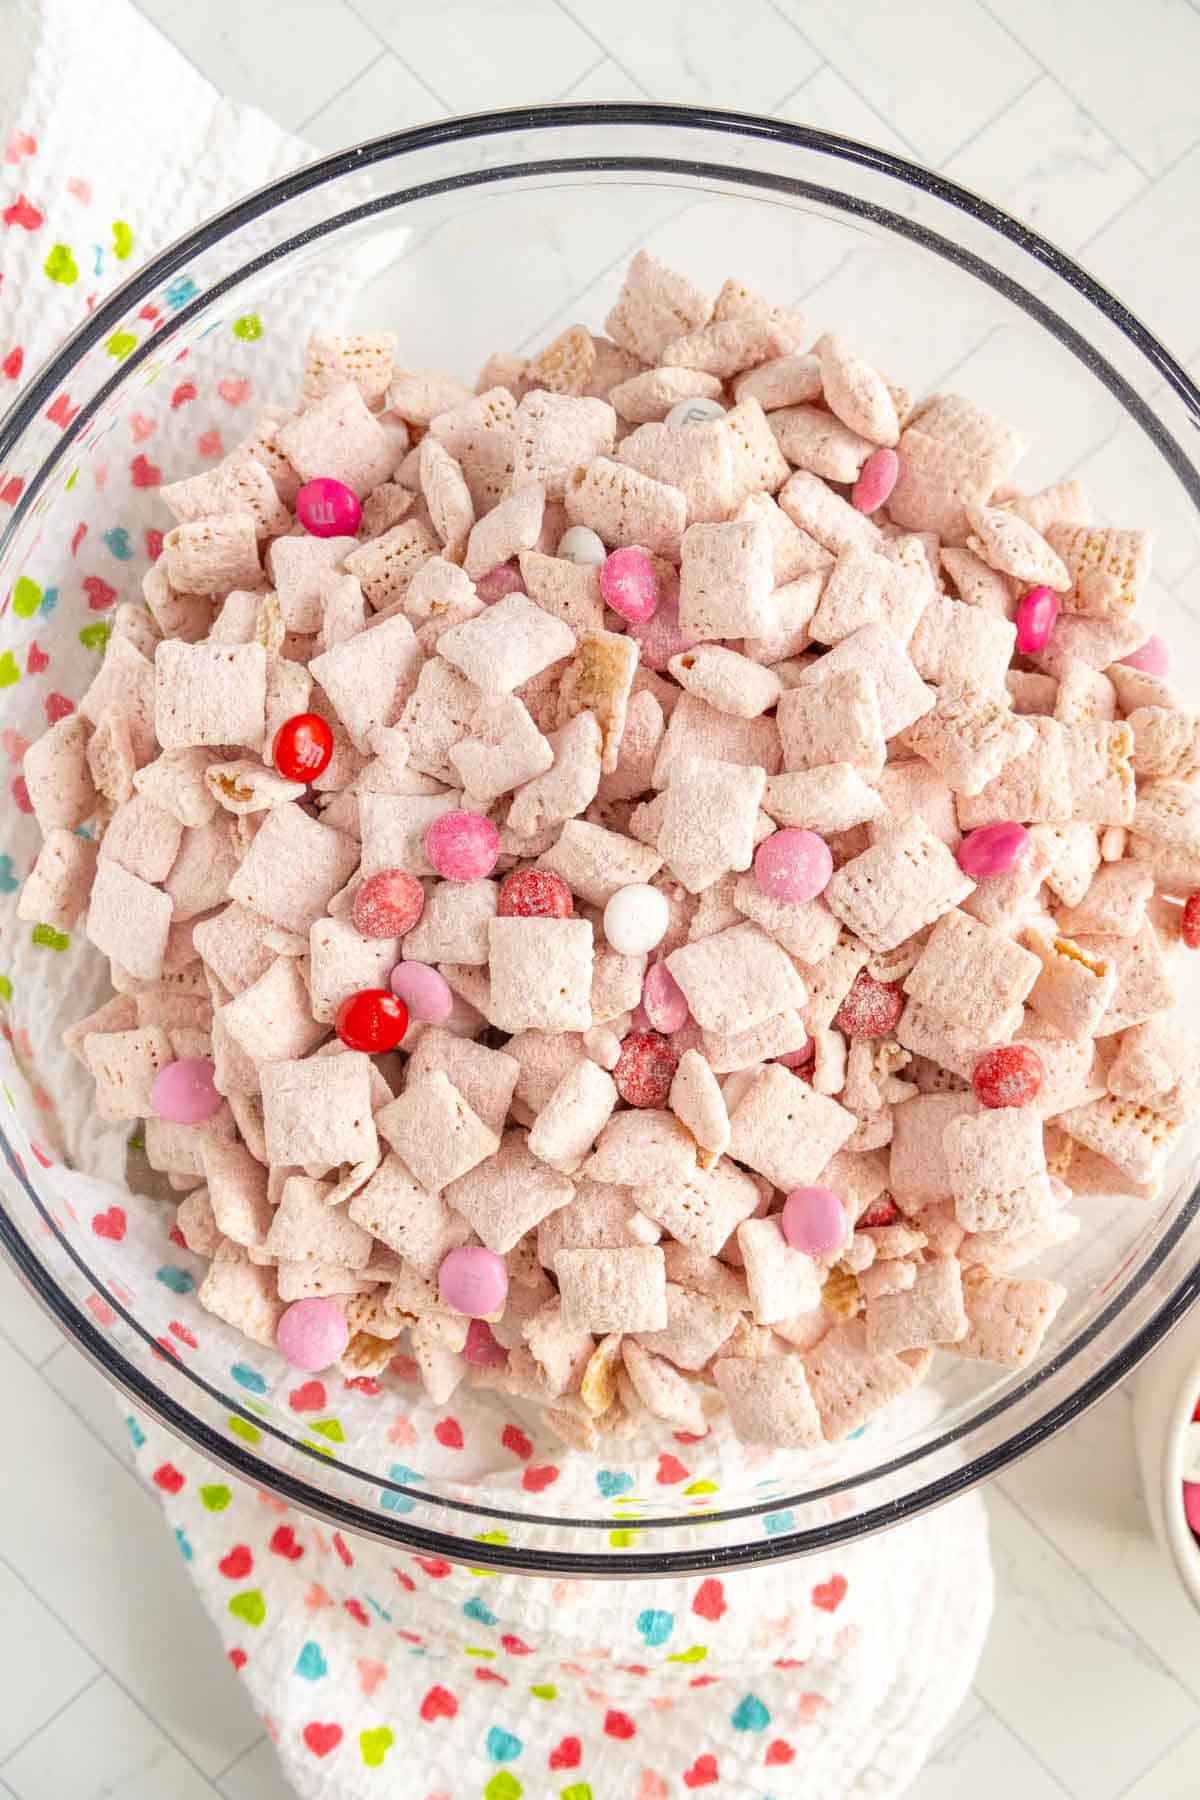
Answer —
502 1746
8 881
178 1280
655 1627
612 1482
474 1608
311 1663
750 1715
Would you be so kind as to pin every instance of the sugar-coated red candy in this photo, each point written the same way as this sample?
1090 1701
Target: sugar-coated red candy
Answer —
1189 924
871 1009
388 904
883 1211
645 1069
1009 1076
535 894
629 585
303 746
373 1020
1036 617
328 508
462 846
504 579
876 479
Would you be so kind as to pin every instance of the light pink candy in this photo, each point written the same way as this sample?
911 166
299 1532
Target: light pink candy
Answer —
424 990
793 865
814 1220
504 579
1154 657
462 846
659 638
993 849
629 585
184 1092
473 1280
1036 618
312 1334
481 1346
876 479
328 508
663 1002
798 1059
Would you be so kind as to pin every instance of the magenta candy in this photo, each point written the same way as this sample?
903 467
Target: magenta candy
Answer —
663 1001
184 1092
462 846
993 849
876 479
1191 1505
659 638
481 1346
328 508
814 1220
473 1280
1154 658
504 579
1036 617
424 990
312 1334
793 865
629 585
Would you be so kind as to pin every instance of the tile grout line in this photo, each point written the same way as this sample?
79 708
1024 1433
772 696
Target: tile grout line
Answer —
241 1756
1031 1753
586 76
57 1714
826 62
1153 182
337 94
973 137
606 54
156 1724
390 49
1158 1760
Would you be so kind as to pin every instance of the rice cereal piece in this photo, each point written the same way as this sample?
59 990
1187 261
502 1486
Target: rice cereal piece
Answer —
830 797
1076 987
769 1401
364 358
419 396
1115 903
726 580
848 1384
899 885
338 436
817 442
792 607
736 978
369 678
1033 787
649 396
697 459
625 507
509 1194
573 1117
701 1208
837 718
128 920
317 1112
506 645
57 887
434 1131
954 1046
504 749
879 653
1062 503
976 584
1100 774
864 588
243 1294
270 1021
479 433
566 590
997 1164
541 971
306 1228
110 756
970 973
293 868
894 1277
595 862
1007 1319
513 525
709 818
784 1130
1135 1138
697 1102
124 683
1165 742
791 380
697 1326
393 829
297 566
836 525
782 1281
855 392
929 1312
1107 568
195 1223
231 943
1009 544
806 929
727 681
1144 987
57 776
606 1290
263 445
918 1170
416 1224
556 433
566 789
697 729
968 736
210 556
308 1279
952 455
123 1065
662 1390
385 566
655 306
777 1036
446 495
640 1148
1085 696
759 467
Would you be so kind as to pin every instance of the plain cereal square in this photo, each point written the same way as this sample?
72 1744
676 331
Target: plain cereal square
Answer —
1007 1320
209 694
293 868
506 645
837 720
929 1312
785 1130
782 1281
541 974
897 887
613 1290
736 978
997 1163
848 1383
702 1208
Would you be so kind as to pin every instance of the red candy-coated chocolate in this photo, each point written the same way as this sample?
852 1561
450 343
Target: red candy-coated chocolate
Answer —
1010 1076
372 1020
462 846
883 1211
504 579
388 904
303 746
535 894
871 1009
1189 925
876 480
645 1069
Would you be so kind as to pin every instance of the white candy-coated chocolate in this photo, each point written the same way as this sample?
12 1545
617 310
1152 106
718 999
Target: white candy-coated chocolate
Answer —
695 411
579 544
636 919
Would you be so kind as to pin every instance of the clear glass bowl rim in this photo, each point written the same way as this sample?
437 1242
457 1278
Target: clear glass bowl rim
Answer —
106 318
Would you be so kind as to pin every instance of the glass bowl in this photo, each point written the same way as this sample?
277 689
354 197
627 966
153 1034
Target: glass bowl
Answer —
491 233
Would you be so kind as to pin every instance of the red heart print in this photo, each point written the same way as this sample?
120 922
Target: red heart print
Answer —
110 1224
13 363
19 144
343 1549
828 1595
144 474
710 1600
321 1739
534 1480
58 707
168 1478
406 1582
779 1752
702 1773
370 1674
449 1433
39 1156
515 1646
670 1470
183 393
100 594
491 1675
238 1658
183 1334
22 212
514 1439
357 1611
209 444
433 1566
11 490
362 1384
566 1755
234 392
283 1543
150 312
142 427
439 1703
238 1563
176 1237
308 1398
619 1725
61 412
77 537
36 659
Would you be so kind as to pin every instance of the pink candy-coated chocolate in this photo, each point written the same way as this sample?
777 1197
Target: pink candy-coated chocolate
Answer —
798 1059
662 1000
184 1092
993 849
876 479
793 865
659 638
462 846
1154 658
424 990
814 1220
1036 618
1191 1505
504 579
473 1280
481 1346
388 904
328 508
312 1334
629 585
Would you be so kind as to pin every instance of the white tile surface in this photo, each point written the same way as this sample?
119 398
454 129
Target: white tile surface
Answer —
678 50
387 96
828 101
980 1757
41 1665
22 1320
104 1748
255 1776
474 54
1174 1775
1150 254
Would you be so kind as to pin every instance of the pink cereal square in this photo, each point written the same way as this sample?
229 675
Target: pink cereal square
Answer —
806 929
568 591
128 920
338 436
817 510
369 677
914 789
897 886
509 1194
1135 1138
176 781
541 973
697 1325
297 566
726 579
970 973
209 694
1007 1319
57 777
123 1065
416 1224
485 1078
237 1193
231 944
918 1172
709 819
654 303
698 729
958 644
595 862
1099 772
997 1164
697 1102
769 1400
57 887
697 459
515 524
848 1383
736 978
625 507
573 1117
210 556
507 645
271 1020
241 1293
1143 985
143 837
1076 986
554 434
701 1208
785 1130
454 925
928 1312
434 1131
968 737
879 653
650 395
607 1290
305 1228
293 868
317 1112
835 720
782 1281
179 1149
640 1148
